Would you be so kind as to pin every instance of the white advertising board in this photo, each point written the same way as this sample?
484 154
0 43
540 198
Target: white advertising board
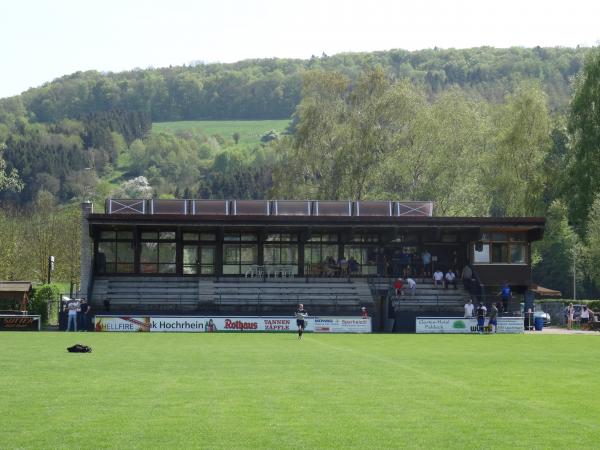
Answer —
219 324
342 325
458 325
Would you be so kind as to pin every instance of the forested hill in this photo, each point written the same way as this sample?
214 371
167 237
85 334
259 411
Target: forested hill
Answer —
270 88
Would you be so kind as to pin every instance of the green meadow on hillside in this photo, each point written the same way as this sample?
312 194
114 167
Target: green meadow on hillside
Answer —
250 130
240 390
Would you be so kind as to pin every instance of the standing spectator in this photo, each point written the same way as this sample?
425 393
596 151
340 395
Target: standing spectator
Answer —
407 272
352 265
438 277
529 319
84 314
493 323
426 258
363 313
570 311
481 311
398 285
469 309
506 295
466 276
72 308
450 278
585 317
412 286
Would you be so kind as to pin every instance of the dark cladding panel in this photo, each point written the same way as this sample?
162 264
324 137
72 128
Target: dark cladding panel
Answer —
210 207
414 209
125 206
332 208
291 208
170 206
250 207
373 209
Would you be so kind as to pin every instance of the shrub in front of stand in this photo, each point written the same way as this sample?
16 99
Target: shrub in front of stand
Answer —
43 296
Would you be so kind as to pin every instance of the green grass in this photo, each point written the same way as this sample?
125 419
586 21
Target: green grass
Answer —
250 130
272 391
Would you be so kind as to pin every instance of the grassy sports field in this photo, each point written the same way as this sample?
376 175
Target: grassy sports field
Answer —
240 390
250 130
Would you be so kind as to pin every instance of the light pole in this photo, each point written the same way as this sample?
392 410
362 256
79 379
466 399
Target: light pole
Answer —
574 274
50 267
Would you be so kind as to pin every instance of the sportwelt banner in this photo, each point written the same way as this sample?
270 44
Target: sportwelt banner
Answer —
223 324
457 325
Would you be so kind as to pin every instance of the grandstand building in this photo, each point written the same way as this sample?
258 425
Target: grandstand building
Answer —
262 257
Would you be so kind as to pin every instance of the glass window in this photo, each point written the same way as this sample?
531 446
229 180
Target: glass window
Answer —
108 235
166 257
323 237
125 257
190 259
503 248
238 258
149 257
207 260
449 237
500 237
166 235
482 256
150 235
240 237
190 236
365 258
499 253
208 237
517 253
115 252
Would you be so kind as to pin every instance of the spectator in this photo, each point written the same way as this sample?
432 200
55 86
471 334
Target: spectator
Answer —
407 271
450 278
493 323
426 259
438 277
398 285
84 313
469 309
412 286
506 295
363 313
352 265
466 276
481 312
585 317
529 319
72 308
570 311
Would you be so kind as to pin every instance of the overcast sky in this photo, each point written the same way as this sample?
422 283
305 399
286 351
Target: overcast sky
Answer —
42 40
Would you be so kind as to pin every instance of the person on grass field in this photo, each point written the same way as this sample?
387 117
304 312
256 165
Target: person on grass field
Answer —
301 315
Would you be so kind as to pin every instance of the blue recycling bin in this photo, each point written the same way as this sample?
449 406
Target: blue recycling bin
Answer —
538 323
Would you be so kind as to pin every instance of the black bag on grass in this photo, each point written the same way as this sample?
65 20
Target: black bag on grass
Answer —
79 348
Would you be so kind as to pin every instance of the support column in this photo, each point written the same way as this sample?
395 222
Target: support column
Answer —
85 274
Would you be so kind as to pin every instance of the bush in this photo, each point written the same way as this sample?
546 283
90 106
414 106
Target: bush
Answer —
43 296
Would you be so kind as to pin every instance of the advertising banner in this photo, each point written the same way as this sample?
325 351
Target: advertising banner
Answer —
342 325
457 325
226 324
19 323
